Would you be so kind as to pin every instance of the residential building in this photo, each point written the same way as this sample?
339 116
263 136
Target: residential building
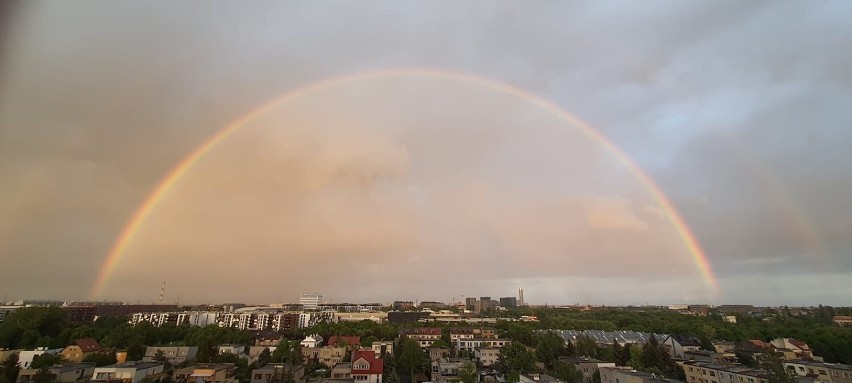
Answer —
6 310
350 342
25 358
375 316
310 301
821 372
236 349
732 319
700 310
128 372
327 355
64 373
487 356
626 375
677 344
702 372
5 353
708 356
278 372
432 305
80 349
398 317
174 355
840 320
206 373
446 370
424 336
80 314
366 367
538 378
436 353
312 341
792 348
342 371
382 347
402 305
473 344
605 338
255 351
735 309
587 366
471 304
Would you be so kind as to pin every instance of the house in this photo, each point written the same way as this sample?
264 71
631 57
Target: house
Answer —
446 370
702 372
128 372
65 373
842 320
25 358
472 344
487 356
438 353
5 353
174 355
677 344
627 375
206 373
255 351
327 355
312 341
538 378
587 366
707 356
821 372
278 372
382 347
80 349
366 367
342 371
236 349
424 336
350 342
791 349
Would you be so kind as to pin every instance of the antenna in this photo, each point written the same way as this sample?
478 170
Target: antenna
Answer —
162 290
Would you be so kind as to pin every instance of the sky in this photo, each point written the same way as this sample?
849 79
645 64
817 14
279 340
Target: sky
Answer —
428 188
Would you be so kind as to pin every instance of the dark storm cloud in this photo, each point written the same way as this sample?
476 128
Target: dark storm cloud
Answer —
739 110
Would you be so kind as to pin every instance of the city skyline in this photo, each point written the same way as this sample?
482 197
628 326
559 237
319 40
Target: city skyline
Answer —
413 150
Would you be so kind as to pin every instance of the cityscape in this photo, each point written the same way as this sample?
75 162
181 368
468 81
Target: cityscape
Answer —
385 191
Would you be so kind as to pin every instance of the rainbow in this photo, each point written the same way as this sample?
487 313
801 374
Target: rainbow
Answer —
185 165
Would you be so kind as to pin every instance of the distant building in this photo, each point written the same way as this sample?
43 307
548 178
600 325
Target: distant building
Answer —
432 305
80 349
677 344
310 301
471 304
696 372
278 372
424 336
604 338
587 366
64 373
6 310
398 317
820 371
436 353
25 358
509 302
627 375
521 301
381 348
80 314
487 356
235 349
446 370
174 355
729 319
402 305
701 310
128 372
378 317
840 320
312 341
735 309
538 378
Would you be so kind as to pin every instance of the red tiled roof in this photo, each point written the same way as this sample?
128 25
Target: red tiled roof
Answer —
352 341
800 344
376 365
88 344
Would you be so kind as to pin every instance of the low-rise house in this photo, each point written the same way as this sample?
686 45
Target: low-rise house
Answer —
707 356
382 347
424 336
312 341
587 366
792 349
80 349
821 372
342 371
627 375
446 370
5 353
436 353
538 378
487 356
128 372
328 356
366 367
255 351
702 372
278 372
677 344
206 373
174 355
25 358
350 342
235 349
64 373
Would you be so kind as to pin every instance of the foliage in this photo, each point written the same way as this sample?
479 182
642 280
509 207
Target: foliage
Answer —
10 368
45 360
567 373
587 346
549 347
30 327
410 358
467 373
515 357
264 357
773 364
101 358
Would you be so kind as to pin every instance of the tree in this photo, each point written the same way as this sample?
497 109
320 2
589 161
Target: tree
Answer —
11 368
620 356
549 348
774 367
43 376
567 373
410 358
45 360
264 357
101 359
652 353
515 357
587 346
467 373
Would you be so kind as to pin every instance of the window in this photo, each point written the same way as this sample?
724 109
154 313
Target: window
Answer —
258 376
822 372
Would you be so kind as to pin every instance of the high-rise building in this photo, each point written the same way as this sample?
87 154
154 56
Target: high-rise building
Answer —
521 297
470 302
508 302
310 301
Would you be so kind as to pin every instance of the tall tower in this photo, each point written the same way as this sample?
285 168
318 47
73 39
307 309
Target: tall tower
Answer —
521 297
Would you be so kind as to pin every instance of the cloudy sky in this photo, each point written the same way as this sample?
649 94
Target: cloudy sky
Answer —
427 187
